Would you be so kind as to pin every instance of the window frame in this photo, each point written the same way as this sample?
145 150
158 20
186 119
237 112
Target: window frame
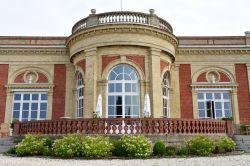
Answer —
78 97
166 98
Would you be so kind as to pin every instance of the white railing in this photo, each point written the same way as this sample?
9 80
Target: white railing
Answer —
122 17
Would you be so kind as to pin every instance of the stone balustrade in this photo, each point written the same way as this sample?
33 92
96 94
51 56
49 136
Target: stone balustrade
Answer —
116 126
122 17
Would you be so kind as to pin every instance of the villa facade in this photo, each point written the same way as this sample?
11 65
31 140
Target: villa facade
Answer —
122 57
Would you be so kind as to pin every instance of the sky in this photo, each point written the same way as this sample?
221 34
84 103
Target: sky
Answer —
187 17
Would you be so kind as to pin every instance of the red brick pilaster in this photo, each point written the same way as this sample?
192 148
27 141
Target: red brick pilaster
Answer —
58 107
186 103
243 93
3 80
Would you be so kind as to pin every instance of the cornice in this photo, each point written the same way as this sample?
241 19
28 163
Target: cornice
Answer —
109 29
29 86
216 85
34 51
212 51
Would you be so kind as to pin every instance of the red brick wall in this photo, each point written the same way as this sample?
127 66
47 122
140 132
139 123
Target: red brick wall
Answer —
202 77
81 64
140 60
58 107
186 103
107 60
243 93
223 77
3 81
163 65
19 78
42 78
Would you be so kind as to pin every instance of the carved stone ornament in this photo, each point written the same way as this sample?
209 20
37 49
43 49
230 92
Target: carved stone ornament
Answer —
212 76
30 77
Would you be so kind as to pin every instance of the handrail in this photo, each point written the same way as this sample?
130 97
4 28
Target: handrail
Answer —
117 126
122 17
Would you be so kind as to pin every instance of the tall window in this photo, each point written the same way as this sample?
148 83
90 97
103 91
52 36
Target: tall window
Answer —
215 105
30 106
123 93
80 95
165 94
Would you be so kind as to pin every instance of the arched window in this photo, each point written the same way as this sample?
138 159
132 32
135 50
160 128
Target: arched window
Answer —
165 94
80 95
123 93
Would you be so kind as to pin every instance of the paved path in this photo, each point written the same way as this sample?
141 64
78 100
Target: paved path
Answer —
236 160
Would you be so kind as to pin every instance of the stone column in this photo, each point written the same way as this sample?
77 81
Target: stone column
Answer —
195 105
90 96
50 101
69 93
155 83
174 93
235 109
8 107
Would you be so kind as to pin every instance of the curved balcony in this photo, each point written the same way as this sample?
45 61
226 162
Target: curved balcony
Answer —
122 17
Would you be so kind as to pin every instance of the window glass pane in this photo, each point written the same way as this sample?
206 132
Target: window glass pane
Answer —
34 96
128 110
118 111
127 69
228 113
111 110
119 77
218 113
111 87
135 110
200 96
26 97
118 87
34 106
127 100
16 106
202 113
43 106
217 96
135 100
17 97
227 105
126 77
225 96
33 114
134 87
25 114
112 76
209 95
25 106
111 100
133 76
118 69
16 115
43 114
218 105
127 87
44 96
118 100
201 105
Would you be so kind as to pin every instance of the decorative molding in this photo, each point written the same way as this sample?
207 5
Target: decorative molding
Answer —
32 51
29 86
204 51
214 85
100 30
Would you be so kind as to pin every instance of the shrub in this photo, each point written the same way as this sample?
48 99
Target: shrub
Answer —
119 150
200 146
223 145
33 145
171 150
12 150
68 147
183 151
159 148
79 146
96 147
137 146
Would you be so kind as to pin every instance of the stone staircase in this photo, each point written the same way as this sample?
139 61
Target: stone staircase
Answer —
242 142
6 144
